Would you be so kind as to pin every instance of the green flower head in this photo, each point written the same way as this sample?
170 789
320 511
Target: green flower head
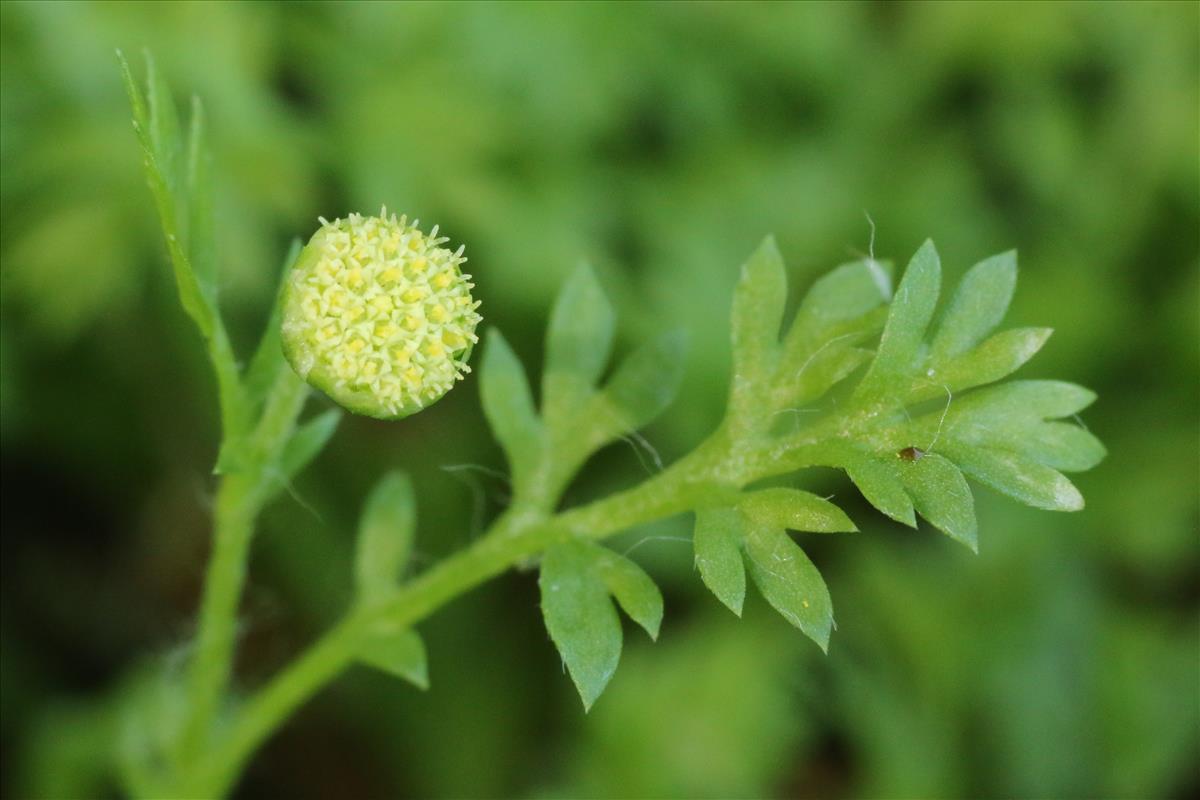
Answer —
379 315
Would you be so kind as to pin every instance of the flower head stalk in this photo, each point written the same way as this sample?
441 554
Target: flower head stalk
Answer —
379 315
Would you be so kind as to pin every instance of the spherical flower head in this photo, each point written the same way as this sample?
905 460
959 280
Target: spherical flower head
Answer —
379 315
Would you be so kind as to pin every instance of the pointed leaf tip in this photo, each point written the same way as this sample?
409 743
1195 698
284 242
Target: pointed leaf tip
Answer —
941 495
633 589
717 544
790 582
580 333
580 618
509 408
904 332
756 319
398 653
978 305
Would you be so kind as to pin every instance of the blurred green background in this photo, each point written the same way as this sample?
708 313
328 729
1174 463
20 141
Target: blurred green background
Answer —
659 142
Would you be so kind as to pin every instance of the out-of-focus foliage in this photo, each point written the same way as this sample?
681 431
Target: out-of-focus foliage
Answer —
659 142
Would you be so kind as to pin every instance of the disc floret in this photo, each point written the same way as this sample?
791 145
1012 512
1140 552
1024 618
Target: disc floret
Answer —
379 315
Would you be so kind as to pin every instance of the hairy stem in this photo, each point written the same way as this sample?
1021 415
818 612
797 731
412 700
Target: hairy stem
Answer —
212 662
240 498
717 466
512 538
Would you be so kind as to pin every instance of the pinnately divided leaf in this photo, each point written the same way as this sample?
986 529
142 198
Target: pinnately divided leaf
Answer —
577 579
580 618
909 418
751 536
577 418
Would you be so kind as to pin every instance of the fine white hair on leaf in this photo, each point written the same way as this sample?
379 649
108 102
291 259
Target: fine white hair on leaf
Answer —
478 497
639 443
658 538
942 420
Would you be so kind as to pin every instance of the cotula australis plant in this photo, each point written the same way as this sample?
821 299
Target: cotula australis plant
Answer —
907 399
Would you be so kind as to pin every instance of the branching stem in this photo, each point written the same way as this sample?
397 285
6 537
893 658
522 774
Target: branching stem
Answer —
693 481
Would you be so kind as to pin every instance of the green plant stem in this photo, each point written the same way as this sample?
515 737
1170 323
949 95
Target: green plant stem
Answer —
515 536
212 662
717 466
240 498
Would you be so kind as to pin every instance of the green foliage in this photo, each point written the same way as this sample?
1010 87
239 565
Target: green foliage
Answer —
903 430
577 417
1055 129
577 579
258 408
385 536
718 541
400 653
807 394
262 447
508 405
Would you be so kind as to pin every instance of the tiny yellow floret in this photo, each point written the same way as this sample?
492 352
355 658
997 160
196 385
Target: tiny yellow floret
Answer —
378 315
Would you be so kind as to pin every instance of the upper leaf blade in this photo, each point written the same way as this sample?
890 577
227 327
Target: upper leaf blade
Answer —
880 484
790 582
977 307
578 341
1029 482
758 303
795 510
942 496
268 359
508 406
385 536
201 229
643 385
158 133
580 618
164 125
903 334
845 293
717 544
633 589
